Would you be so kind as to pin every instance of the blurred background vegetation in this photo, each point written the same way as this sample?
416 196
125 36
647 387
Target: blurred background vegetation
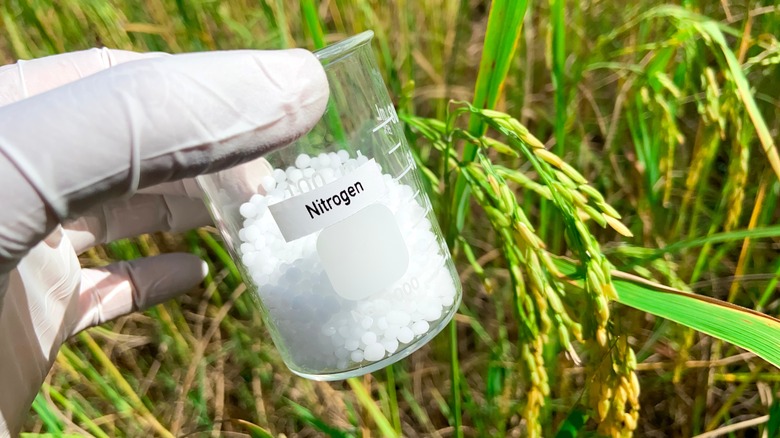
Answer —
668 110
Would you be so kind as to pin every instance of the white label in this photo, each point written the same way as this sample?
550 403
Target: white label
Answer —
363 254
314 210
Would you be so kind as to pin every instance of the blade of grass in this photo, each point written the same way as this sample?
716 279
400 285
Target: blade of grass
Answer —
385 54
119 380
743 327
313 26
646 147
283 25
558 23
713 31
547 222
104 16
723 412
71 360
770 289
764 136
368 403
33 15
743 255
255 431
393 393
76 410
15 36
222 255
573 424
740 326
773 425
50 435
309 418
455 373
418 412
125 249
501 38
311 19
47 417
645 254
755 233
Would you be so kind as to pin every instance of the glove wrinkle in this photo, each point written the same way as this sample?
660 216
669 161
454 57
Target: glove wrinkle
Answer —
32 355
22 82
124 287
53 273
141 214
27 78
28 220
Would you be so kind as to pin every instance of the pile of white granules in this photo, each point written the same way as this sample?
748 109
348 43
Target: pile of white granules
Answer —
319 329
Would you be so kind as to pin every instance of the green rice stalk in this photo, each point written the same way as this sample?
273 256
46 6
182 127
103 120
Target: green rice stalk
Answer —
15 35
311 19
47 417
369 404
501 39
76 410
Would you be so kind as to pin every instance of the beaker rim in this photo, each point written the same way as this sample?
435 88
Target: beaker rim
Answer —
334 52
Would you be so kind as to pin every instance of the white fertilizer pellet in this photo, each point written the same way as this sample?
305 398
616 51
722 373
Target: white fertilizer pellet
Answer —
321 329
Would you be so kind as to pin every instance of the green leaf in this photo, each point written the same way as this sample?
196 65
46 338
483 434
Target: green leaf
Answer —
369 404
573 424
308 417
46 415
221 254
255 431
15 36
714 32
764 136
501 37
773 425
50 435
729 236
505 24
558 24
746 328
74 409
312 20
740 326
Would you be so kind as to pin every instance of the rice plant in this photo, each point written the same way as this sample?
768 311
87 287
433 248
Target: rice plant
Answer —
607 178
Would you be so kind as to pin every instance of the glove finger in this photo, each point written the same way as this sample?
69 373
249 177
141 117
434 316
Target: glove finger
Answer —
241 181
124 287
187 187
146 122
28 78
140 214
174 207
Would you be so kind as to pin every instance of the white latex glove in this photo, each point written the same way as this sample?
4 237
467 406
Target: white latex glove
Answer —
80 135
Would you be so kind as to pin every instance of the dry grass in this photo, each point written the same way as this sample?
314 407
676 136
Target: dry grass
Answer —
669 112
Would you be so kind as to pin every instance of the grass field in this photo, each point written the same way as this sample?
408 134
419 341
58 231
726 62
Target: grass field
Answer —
641 150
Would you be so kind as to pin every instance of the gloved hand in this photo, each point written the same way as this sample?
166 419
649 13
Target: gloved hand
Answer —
89 146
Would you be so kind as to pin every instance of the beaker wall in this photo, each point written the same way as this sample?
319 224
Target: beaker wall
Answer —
335 235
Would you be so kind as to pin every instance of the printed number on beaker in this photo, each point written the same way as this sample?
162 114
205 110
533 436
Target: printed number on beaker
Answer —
407 288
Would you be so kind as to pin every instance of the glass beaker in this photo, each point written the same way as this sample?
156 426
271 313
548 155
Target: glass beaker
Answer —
335 235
